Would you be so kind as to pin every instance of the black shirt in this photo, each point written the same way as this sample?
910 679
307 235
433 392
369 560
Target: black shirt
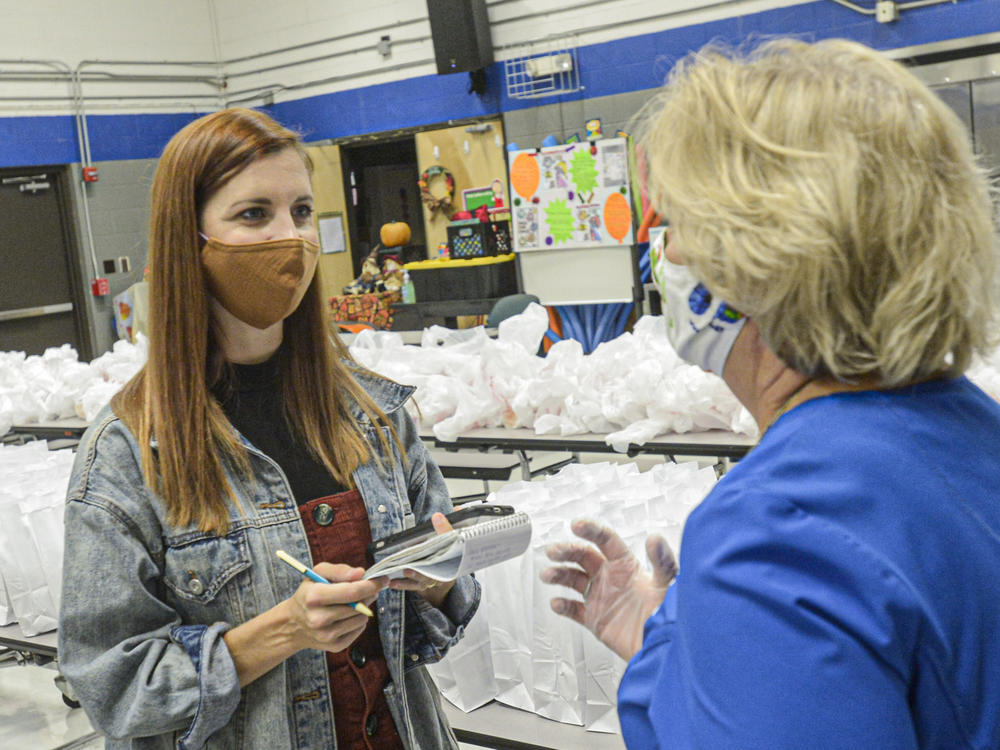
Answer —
252 401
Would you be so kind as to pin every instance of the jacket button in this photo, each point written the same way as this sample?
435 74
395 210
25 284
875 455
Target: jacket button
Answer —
381 509
323 514
358 656
196 587
371 725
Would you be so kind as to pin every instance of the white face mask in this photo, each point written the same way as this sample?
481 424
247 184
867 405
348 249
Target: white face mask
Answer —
701 329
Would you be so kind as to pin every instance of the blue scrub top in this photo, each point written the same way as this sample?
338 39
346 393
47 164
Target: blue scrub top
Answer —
839 588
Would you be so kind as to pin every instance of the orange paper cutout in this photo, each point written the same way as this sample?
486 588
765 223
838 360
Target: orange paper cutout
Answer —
524 175
617 216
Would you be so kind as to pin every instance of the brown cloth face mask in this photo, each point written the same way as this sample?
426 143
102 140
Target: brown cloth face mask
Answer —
259 283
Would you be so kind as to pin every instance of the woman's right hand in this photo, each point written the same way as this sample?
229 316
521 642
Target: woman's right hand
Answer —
321 614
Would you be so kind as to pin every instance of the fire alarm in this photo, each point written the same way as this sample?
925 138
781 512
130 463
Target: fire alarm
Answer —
90 174
99 287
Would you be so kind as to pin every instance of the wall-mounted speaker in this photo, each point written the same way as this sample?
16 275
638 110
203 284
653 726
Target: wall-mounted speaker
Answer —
460 30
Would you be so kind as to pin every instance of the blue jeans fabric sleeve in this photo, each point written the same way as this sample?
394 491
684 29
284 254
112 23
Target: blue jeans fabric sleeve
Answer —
433 631
217 680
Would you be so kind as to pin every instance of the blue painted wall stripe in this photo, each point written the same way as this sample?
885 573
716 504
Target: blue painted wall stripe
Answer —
25 141
614 67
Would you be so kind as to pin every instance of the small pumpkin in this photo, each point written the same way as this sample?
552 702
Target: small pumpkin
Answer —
394 234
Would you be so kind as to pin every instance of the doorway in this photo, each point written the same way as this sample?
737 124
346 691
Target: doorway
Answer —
41 300
380 184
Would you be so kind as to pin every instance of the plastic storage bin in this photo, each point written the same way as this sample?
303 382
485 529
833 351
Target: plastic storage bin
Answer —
471 278
476 239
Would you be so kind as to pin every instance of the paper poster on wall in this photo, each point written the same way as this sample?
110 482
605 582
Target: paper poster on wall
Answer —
331 232
573 195
473 198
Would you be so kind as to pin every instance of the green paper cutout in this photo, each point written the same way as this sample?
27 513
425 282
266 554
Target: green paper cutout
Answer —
584 171
559 217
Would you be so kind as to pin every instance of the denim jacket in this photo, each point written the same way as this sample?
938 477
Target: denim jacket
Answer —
145 604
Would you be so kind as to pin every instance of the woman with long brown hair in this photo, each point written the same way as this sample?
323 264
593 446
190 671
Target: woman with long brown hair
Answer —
250 430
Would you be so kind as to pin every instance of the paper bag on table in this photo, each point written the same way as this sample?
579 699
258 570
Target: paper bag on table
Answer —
603 670
510 620
35 604
6 609
465 675
31 532
559 668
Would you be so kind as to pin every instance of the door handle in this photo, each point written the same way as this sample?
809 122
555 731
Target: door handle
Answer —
35 312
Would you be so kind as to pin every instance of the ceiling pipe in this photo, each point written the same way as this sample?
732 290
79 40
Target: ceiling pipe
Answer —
322 58
326 40
271 89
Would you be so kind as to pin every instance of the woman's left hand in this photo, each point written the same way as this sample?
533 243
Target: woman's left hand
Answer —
433 591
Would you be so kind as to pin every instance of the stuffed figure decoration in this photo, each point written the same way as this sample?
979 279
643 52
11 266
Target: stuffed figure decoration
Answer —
392 275
369 275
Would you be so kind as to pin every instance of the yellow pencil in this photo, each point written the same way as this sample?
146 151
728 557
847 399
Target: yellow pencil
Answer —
312 575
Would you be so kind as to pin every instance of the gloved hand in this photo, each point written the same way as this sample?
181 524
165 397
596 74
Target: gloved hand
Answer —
618 595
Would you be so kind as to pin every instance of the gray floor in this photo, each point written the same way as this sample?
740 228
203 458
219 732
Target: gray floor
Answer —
33 715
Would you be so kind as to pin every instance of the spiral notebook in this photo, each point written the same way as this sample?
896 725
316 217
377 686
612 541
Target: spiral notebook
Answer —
445 557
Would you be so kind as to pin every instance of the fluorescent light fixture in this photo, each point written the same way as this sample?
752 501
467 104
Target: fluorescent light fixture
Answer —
549 65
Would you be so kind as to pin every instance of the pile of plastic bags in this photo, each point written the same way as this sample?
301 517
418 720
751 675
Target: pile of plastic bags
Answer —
56 385
519 652
32 499
634 387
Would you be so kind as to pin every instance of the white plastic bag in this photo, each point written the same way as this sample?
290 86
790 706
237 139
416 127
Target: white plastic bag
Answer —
526 329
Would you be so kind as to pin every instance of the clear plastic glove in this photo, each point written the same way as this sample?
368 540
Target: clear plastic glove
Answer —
432 590
618 595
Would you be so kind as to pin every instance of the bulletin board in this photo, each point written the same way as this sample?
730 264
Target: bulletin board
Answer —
574 195
572 210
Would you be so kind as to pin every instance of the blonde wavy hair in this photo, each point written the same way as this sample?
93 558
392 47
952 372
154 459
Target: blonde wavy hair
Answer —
828 194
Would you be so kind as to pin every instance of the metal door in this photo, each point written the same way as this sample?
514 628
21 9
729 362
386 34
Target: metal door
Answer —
986 122
39 284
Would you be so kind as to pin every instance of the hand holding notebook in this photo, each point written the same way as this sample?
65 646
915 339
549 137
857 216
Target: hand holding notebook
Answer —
482 535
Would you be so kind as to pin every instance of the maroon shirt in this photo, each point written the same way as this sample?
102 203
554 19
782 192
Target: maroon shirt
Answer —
338 532
337 528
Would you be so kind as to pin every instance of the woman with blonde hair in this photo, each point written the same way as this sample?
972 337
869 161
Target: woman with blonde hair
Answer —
832 256
250 430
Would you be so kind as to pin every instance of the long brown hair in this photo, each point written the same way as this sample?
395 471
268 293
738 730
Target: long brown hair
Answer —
170 399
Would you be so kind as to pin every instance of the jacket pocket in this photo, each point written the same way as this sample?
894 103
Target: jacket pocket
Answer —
197 571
